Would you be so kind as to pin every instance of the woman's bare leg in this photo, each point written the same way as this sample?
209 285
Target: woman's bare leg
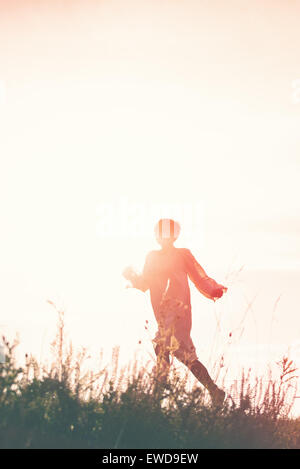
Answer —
202 375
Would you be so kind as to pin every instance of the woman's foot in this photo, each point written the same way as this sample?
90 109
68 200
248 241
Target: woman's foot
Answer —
217 397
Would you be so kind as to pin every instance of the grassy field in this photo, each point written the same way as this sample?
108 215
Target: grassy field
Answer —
65 405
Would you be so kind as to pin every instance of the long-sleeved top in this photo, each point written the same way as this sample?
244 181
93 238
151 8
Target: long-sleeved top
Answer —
166 274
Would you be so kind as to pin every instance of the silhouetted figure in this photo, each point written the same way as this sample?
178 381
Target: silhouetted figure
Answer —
165 274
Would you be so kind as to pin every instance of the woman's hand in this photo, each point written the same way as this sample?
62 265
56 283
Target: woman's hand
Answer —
136 280
218 293
128 273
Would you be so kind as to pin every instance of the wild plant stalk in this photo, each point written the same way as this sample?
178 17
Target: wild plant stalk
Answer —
122 396
65 405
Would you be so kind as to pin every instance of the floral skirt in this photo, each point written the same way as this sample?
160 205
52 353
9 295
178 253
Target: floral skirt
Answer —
174 330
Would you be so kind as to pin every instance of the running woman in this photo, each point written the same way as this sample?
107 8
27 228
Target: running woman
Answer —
165 274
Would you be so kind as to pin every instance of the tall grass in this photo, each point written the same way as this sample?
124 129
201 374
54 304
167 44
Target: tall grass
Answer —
63 404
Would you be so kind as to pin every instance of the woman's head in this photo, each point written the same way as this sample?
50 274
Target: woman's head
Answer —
166 231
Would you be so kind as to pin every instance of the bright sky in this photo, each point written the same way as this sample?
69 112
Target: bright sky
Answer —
116 112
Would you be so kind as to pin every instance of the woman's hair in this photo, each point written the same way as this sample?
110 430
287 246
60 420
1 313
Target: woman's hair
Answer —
166 228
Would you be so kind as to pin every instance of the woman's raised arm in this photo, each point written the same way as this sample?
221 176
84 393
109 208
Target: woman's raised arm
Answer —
206 285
